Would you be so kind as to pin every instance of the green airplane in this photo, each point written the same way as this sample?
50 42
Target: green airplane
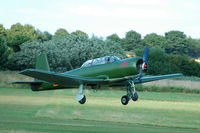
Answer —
104 71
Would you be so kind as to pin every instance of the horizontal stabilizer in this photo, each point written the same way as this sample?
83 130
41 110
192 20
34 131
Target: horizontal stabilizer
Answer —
27 82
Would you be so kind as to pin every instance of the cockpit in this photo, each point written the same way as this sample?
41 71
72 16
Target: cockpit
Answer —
102 60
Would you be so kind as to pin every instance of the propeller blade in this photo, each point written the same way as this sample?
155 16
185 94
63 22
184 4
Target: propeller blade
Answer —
146 53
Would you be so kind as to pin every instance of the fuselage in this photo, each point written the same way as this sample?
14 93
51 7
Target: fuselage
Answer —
116 69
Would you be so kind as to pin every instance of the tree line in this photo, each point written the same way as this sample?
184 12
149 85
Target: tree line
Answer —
173 52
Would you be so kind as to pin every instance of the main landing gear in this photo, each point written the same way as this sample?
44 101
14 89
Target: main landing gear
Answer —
80 97
131 94
83 100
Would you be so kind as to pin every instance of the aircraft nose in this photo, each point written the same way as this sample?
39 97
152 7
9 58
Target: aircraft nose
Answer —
144 66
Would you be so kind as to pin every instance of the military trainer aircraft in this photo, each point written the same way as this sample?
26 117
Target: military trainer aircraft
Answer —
105 71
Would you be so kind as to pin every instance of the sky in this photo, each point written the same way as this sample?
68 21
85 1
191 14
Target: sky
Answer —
105 17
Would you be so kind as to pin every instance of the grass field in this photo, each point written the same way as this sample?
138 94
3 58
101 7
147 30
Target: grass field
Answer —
24 111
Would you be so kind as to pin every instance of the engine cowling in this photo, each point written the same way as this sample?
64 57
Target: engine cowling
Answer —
141 66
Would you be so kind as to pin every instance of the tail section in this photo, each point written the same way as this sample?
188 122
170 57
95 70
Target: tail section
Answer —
42 62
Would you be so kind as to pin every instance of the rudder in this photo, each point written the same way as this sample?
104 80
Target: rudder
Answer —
42 62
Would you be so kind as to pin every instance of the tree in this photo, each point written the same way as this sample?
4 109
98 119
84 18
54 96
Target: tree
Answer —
174 35
25 30
194 48
4 52
19 34
114 37
80 33
2 30
47 35
64 52
61 32
132 40
184 64
177 42
43 36
155 40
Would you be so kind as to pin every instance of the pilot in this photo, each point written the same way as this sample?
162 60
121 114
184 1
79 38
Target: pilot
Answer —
107 59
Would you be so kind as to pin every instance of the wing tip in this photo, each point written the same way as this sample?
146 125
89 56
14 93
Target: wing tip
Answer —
178 74
26 70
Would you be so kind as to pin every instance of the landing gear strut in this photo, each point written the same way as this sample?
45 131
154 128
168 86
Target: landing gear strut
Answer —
80 97
131 94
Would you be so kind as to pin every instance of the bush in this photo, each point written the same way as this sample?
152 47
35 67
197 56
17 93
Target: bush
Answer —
64 52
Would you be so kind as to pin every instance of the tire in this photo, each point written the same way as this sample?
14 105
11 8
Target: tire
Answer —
83 100
135 96
125 100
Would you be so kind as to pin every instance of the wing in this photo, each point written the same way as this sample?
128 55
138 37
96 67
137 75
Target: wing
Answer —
153 78
65 80
68 80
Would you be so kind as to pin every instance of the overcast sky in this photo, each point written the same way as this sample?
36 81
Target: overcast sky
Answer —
105 17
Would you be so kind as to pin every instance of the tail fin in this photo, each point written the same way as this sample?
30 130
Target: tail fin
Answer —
42 62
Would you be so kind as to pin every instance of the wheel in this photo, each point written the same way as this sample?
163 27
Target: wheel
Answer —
83 100
125 100
135 96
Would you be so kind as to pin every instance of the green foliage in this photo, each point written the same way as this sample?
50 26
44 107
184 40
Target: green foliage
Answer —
177 43
2 30
194 47
157 62
114 37
80 33
19 34
186 65
174 42
161 63
26 30
61 32
43 36
26 55
4 52
155 40
64 52
132 40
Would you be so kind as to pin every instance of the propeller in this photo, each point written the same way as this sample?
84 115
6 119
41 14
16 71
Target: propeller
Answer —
144 64
145 56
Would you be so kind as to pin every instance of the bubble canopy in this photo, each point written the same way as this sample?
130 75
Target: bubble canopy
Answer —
102 60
